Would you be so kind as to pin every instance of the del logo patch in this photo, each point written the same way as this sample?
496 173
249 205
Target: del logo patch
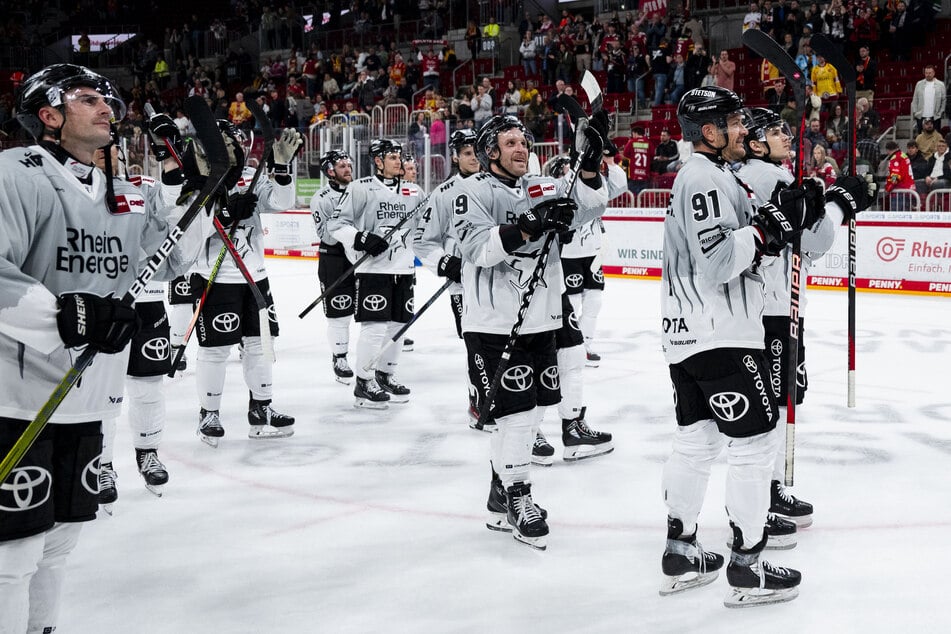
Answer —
541 189
406 191
130 204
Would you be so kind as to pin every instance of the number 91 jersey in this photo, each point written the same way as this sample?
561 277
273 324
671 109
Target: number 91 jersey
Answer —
711 295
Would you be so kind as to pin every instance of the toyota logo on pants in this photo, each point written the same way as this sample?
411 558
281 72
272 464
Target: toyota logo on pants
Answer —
729 406
575 280
410 304
598 276
341 302
183 289
26 489
90 477
517 379
226 322
155 349
272 313
750 364
374 303
776 347
573 321
549 378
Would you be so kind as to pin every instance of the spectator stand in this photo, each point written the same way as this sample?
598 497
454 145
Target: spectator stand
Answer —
938 200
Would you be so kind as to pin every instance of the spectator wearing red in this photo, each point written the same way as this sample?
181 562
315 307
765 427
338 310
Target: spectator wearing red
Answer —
429 63
637 154
899 169
397 68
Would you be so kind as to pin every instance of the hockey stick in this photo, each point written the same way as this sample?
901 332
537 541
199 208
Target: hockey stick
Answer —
399 333
848 75
768 48
363 258
580 119
217 155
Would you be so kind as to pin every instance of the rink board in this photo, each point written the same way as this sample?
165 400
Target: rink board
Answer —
899 252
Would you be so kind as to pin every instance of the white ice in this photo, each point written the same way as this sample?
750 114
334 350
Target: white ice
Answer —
374 522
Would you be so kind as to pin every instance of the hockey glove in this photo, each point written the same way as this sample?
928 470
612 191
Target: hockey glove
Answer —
103 323
239 207
371 243
596 135
815 204
779 221
853 194
555 214
195 168
285 149
162 128
450 267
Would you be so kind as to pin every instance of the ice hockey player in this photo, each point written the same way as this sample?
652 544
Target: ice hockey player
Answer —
711 307
333 263
501 219
369 208
72 241
230 315
768 146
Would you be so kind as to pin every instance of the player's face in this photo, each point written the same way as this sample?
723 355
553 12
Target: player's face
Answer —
343 171
735 134
468 161
88 124
392 164
779 141
409 171
513 152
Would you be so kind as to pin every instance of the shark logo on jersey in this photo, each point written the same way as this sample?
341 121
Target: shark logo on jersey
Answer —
517 378
549 378
729 406
226 322
155 349
25 489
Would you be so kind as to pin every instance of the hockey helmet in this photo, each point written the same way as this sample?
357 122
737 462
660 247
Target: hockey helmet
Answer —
487 139
460 139
49 86
558 166
711 104
382 147
329 160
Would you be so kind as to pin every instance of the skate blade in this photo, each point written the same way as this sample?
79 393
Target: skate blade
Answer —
582 452
107 509
801 521
399 400
537 543
498 522
343 379
211 441
543 461
155 489
781 542
485 429
267 432
364 403
751 597
688 581
592 364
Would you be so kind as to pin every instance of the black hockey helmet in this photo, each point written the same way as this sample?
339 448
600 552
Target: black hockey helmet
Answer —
460 139
382 147
487 139
763 120
558 166
700 106
234 139
329 160
49 86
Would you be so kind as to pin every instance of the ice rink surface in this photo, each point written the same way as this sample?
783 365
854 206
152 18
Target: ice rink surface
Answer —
374 522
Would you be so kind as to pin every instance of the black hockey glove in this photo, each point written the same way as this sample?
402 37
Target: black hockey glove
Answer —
371 243
780 220
555 214
239 207
814 197
162 127
596 134
195 169
853 194
103 323
450 267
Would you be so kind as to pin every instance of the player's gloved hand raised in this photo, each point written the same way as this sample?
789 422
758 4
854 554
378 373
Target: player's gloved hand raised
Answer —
239 207
195 169
103 323
161 127
596 134
284 149
853 194
554 214
779 221
450 267
370 242
815 203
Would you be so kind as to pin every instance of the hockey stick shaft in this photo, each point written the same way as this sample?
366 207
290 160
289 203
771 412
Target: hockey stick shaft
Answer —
204 122
402 331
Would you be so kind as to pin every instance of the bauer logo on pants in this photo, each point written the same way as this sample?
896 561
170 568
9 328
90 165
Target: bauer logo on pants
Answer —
226 322
729 406
549 378
341 302
155 349
518 378
25 489
374 303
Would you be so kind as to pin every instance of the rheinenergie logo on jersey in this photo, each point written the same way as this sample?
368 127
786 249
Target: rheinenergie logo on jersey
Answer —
91 253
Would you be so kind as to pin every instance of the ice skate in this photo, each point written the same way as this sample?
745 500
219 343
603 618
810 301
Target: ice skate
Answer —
266 422
152 470
476 424
408 344
342 370
108 493
398 392
543 454
592 359
370 395
210 430
581 441
788 506
497 505
525 519
685 564
755 581
780 534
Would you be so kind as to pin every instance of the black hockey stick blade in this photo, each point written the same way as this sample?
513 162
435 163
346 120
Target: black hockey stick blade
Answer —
828 49
765 46
268 132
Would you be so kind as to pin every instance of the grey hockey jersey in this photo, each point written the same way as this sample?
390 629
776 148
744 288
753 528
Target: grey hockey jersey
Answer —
432 238
587 240
371 205
494 280
322 206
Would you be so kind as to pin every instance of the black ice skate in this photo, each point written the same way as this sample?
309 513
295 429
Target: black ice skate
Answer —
543 454
581 441
342 369
210 430
152 470
784 503
108 493
528 525
476 424
685 563
398 392
755 581
370 395
267 423
408 344
780 533
497 505
592 359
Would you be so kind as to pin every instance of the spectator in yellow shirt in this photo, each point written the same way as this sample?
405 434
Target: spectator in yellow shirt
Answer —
529 92
238 112
491 29
825 79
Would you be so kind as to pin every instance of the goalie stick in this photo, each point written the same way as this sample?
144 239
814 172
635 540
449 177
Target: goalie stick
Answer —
847 73
768 48
207 129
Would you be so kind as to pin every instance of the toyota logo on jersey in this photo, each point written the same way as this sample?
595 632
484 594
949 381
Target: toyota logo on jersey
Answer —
25 489
729 406
226 322
549 378
374 303
155 349
517 379
341 302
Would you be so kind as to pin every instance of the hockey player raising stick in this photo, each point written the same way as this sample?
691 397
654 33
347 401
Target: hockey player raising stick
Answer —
384 291
501 219
712 304
230 315
338 306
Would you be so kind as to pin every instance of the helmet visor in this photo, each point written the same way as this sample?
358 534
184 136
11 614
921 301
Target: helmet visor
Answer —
94 97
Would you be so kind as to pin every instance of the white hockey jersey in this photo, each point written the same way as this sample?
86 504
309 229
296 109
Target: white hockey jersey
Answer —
494 280
372 205
59 237
432 238
249 238
711 296
587 240
322 206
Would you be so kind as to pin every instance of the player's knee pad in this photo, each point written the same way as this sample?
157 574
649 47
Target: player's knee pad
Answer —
60 541
216 354
699 443
145 389
758 452
252 346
